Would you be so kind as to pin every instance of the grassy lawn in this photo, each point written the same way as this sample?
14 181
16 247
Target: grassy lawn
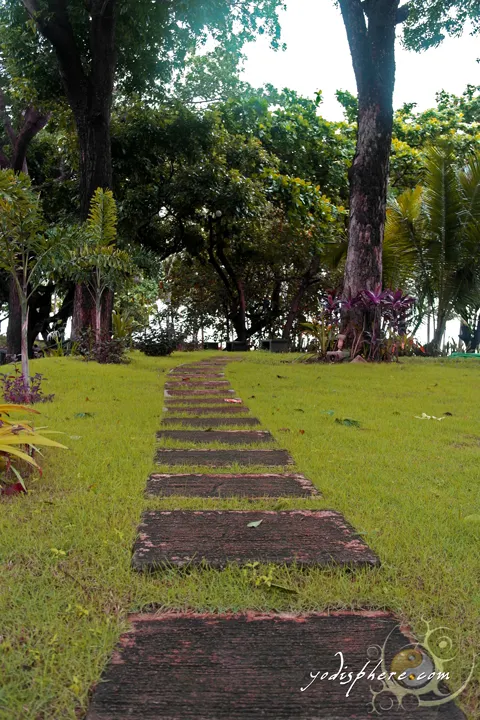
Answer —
407 485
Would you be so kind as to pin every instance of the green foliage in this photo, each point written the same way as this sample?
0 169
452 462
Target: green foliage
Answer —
96 261
153 40
349 103
324 332
434 233
429 21
17 438
21 225
27 253
101 226
157 341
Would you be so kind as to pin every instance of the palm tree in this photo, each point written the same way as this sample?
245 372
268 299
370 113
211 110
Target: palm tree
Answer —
432 238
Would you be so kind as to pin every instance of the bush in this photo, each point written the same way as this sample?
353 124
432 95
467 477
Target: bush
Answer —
157 342
14 389
105 351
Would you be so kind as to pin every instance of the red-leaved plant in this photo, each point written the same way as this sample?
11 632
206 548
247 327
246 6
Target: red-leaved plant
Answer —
15 391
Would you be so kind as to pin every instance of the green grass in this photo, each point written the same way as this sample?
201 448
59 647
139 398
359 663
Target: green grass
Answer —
407 485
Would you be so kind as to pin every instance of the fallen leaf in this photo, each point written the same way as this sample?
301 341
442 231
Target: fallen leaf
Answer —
302 432
255 523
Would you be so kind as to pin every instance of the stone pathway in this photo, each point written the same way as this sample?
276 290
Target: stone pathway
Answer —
247 665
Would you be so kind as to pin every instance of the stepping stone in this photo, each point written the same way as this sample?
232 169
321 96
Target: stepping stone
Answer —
194 379
229 437
214 410
191 666
251 486
210 422
307 538
197 399
215 392
197 372
222 458
197 383
200 367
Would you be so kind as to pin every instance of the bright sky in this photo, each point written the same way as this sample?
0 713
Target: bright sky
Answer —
318 58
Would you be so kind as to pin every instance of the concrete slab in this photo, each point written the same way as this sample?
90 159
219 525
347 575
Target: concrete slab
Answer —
223 458
249 666
223 486
227 437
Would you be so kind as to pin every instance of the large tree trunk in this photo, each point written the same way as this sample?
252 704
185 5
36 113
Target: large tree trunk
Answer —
92 112
93 127
83 316
370 30
89 93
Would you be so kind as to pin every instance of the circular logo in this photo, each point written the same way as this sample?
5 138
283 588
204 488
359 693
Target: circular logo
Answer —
410 663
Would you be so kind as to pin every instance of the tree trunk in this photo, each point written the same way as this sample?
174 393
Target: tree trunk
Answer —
293 312
83 311
370 30
241 324
14 329
89 92
93 126
106 321
439 334
24 343
307 281
39 309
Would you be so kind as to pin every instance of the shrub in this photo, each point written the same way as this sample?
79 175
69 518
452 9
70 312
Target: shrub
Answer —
107 350
384 332
18 441
14 390
157 341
